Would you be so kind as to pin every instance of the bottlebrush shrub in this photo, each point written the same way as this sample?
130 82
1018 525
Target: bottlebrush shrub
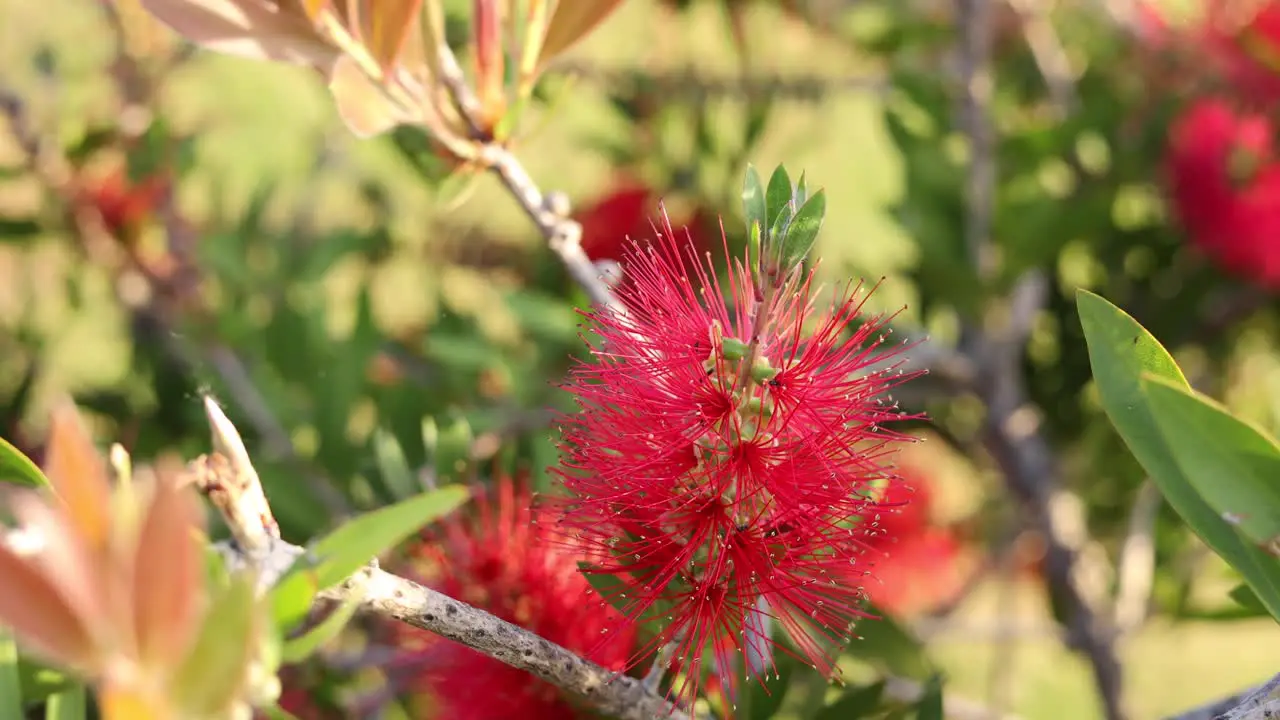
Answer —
500 560
725 454
1224 184
1235 44
124 205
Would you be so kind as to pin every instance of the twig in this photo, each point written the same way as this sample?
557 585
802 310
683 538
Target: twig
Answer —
233 487
1011 427
1136 569
1251 704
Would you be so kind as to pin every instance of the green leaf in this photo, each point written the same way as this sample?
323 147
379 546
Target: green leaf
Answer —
10 678
755 207
18 468
39 681
448 447
1244 596
66 705
803 231
767 694
778 196
392 466
1234 466
856 702
291 598
303 647
887 645
212 675
18 229
1120 352
930 705
359 540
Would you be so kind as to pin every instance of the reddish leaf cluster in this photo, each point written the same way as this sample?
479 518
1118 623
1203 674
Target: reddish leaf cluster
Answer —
728 484
501 561
1224 178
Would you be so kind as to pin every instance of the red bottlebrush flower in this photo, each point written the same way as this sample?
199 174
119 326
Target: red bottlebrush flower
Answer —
1225 186
500 560
726 485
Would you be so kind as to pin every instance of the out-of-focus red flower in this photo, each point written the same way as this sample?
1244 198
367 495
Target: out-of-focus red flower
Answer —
1233 43
725 494
920 565
610 224
500 560
1225 186
124 205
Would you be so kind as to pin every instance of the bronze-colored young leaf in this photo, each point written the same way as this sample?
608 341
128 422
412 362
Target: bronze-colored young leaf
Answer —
362 105
570 22
387 23
248 28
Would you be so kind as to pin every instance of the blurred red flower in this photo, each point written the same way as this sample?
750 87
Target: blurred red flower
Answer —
923 565
1224 183
624 214
125 205
499 560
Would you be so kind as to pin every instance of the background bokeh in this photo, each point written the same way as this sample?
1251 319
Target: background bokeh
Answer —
175 221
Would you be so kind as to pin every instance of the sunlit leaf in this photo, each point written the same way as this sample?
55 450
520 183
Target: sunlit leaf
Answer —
215 671
18 468
303 647
358 541
247 28
571 21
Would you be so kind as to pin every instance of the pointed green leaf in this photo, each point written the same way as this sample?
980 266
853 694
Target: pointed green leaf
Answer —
754 206
303 647
801 195
778 197
214 672
1245 597
802 233
10 678
857 702
18 468
1120 352
767 694
359 540
1234 466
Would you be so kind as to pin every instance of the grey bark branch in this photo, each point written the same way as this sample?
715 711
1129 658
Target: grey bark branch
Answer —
1255 703
228 479
1010 430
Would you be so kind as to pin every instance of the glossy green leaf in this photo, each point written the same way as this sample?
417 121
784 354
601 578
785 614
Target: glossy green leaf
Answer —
802 233
359 540
1120 352
777 196
18 469
69 704
213 673
1234 466
755 207
10 677
306 645
856 702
